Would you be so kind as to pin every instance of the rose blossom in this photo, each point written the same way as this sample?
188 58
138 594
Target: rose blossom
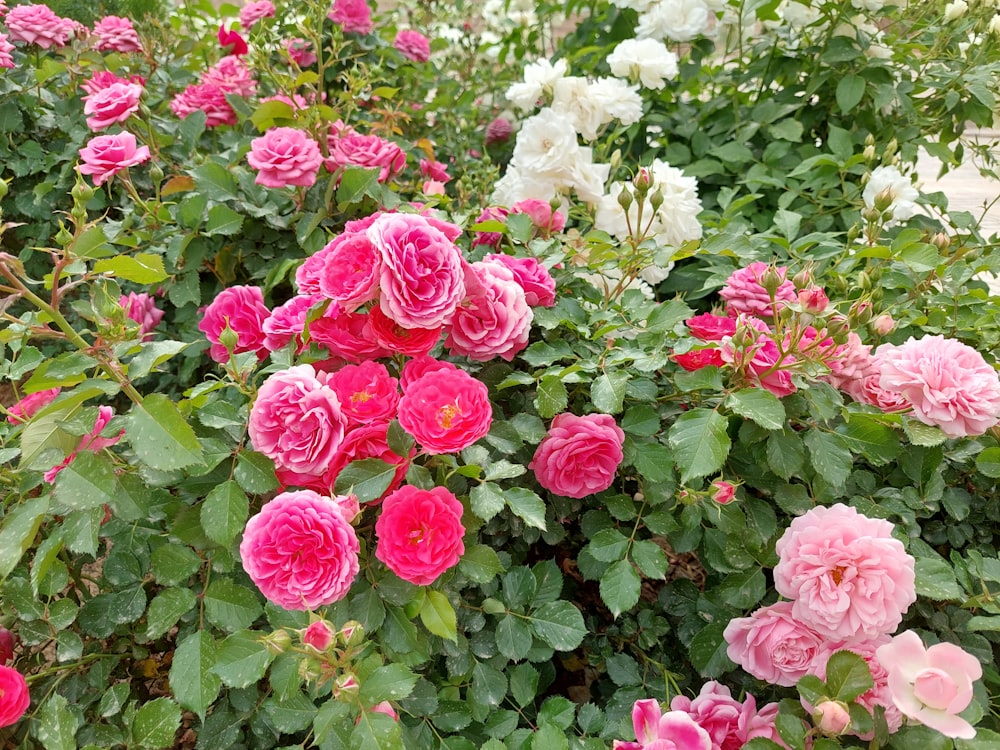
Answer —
319 635
7 644
744 292
655 730
722 491
878 695
698 358
232 75
422 279
434 170
104 156
300 52
297 420
758 360
538 284
773 645
832 718
104 78
493 320
346 335
116 103
498 131
287 322
446 411
931 685
413 45
117 34
207 97
419 366
419 533
300 552
493 239
385 708
235 43
143 310
242 310
645 60
252 12
37 24
544 219
729 723
948 383
92 442
350 271
709 327
366 391
14 696
579 456
31 404
6 58
394 337
353 16
847 576
352 149
285 157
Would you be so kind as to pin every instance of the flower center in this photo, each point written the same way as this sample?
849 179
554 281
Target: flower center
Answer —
837 574
361 396
447 414
935 688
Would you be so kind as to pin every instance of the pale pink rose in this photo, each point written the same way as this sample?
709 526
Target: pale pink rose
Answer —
241 309
422 278
117 34
207 97
6 58
116 103
287 322
285 157
948 383
370 151
493 320
851 363
232 75
846 574
104 156
419 533
297 421
493 239
37 24
142 309
92 442
413 45
773 645
729 723
346 335
673 730
419 366
393 337
446 411
300 52
14 697
869 391
433 187
546 220
252 12
709 327
832 718
931 685
579 456
366 391
353 16
744 292
31 404
319 634
350 271
538 284
300 552
879 695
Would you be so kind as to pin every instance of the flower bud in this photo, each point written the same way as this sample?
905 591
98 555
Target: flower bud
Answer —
319 635
63 236
656 199
802 279
813 300
722 492
6 642
643 181
860 313
625 199
499 131
155 173
770 280
345 684
941 241
869 140
229 338
832 718
278 641
883 324
837 328
616 160
883 200
869 153
352 634
82 192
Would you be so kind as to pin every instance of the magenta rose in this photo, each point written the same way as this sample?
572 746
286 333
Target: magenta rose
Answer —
847 576
287 322
580 455
143 310
416 368
346 335
297 421
419 533
351 149
300 551
104 156
708 327
31 404
232 42
538 284
93 441
353 16
207 97
37 24
446 411
232 75
254 11
300 52
395 338
498 131
698 358
117 34
744 293
422 278
366 391
350 271
948 383
413 46
242 309
7 644
14 697
285 157
493 320
773 645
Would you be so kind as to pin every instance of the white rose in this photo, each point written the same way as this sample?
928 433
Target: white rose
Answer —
679 20
645 60
890 181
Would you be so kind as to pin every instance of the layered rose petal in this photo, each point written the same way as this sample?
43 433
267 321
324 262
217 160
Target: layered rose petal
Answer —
446 411
580 455
419 533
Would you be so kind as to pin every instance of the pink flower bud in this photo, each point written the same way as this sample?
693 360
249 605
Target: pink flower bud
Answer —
722 492
832 718
499 131
813 300
319 635
883 324
6 646
346 683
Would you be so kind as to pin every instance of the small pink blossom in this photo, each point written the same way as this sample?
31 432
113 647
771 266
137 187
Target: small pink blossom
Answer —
104 78
493 239
499 131
104 156
92 442
252 12
232 75
434 170
207 97
285 157
413 45
744 292
883 324
538 284
385 708
350 271
353 16
115 103
300 52
117 34
579 456
232 42
6 58
31 404
142 309
722 492
878 696
37 24
813 300
832 718
287 322
242 310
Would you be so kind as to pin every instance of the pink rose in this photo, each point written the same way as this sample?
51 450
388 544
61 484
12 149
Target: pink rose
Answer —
353 16
232 75
350 271
104 156
413 45
116 103
287 322
7 643
419 366
708 327
297 421
37 24
370 151
832 718
14 697
242 310
948 383
422 278
252 12
300 52
285 157
493 320
143 310
6 58
346 335
745 293
773 645
673 730
879 694
493 239
729 723
395 338
759 361
580 455
434 170
499 131
538 284
92 442
931 685
813 300
698 358
851 363
319 635
117 34
546 220
207 97
232 41
883 324
366 391
31 404
300 552
848 577
104 78
419 533
446 411
722 492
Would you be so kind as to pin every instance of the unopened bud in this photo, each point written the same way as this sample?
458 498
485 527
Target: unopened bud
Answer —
813 300
625 199
869 153
278 641
802 279
892 147
865 281
722 492
319 635
869 140
229 338
837 328
63 236
656 199
770 280
941 241
6 646
352 634
155 173
883 200
347 684
643 181
883 324
860 313
871 215
832 718
853 233
615 160
82 192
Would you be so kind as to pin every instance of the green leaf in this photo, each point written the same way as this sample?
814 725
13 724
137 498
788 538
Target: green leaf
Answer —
153 354
743 590
608 545
156 723
489 685
242 660
786 453
620 587
194 684
700 441
438 616
872 439
160 436
559 624
830 456
291 715
550 398
667 315
486 500
18 532
376 731
392 682
224 513
988 463
653 461
480 563
608 391
266 113
88 482
650 558
44 433
936 580
172 564
223 220
142 268
102 614
166 609
55 726
527 506
847 676
642 420
924 435
230 606
708 650
514 637
355 183
850 89
255 472
760 405
367 479
549 737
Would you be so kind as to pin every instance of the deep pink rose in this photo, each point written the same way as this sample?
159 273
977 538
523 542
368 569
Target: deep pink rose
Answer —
92 441
117 34
232 75
698 358
232 42
142 309
422 278
499 131
546 220
580 455
419 366
493 239
104 78
6 48
493 320
434 170
350 271
116 103
744 292
300 52
708 327
538 284
931 685
346 335
366 391
14 697
948 383
242 309
7 643
419 533
285 157
673 730
729 723
31 404
846 574
297 421
286 323
369 151
773 645
254 11
353 16
413 45
37 24
207 97
104 156
446 411
319 635
300 552
392 336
